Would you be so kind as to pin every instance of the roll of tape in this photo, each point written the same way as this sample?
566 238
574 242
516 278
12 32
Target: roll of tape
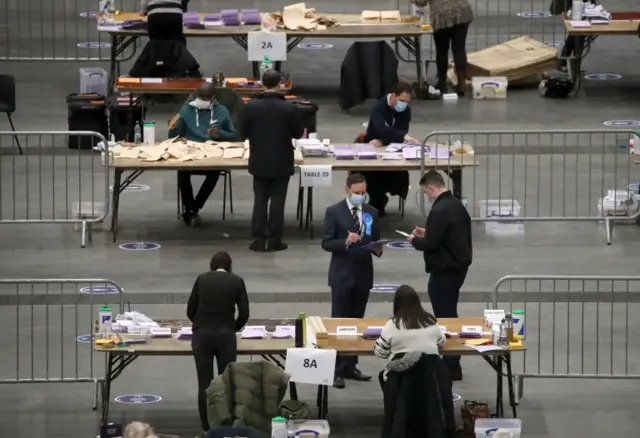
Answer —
502 433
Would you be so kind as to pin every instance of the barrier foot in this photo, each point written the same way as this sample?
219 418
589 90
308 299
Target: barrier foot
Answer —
83 241
608 229
519 380
96 393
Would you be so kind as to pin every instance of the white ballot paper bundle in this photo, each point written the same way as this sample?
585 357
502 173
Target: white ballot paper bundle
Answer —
254 332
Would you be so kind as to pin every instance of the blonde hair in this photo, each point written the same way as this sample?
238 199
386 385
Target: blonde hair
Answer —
137 429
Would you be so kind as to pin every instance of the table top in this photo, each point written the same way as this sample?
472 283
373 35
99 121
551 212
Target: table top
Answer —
350 27
356 345
622 23
459 162
181 86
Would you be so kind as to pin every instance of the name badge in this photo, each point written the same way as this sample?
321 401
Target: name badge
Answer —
347 330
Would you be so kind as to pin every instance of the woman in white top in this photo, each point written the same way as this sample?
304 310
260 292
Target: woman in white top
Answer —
412 329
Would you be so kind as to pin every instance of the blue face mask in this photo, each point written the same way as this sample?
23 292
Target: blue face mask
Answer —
356 200
400 106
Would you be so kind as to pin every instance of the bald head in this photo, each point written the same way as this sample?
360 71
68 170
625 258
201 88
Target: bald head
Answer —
271 79
205 92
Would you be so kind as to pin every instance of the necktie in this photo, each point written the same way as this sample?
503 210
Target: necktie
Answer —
356 220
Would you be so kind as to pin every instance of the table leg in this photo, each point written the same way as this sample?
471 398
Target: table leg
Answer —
309 213
456 181
115 366
112 64
323 402
500 387
418 48
299 205
512 395
115 202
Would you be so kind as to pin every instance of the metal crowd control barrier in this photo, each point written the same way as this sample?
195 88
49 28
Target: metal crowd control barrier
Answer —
543 176
575 326
51 184
48 328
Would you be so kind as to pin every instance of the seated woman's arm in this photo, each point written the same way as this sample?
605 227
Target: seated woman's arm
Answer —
382 349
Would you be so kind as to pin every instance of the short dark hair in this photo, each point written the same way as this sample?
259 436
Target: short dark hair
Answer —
206 91
221 260
408 310
355 178
432 178
271 78
402 87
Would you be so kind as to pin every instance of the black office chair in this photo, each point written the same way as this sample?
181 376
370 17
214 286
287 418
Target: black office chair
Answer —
8 101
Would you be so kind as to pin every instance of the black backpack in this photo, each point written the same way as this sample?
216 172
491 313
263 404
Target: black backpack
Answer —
556 87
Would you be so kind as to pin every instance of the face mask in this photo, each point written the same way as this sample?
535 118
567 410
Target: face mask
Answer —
200 104
400 106
356 200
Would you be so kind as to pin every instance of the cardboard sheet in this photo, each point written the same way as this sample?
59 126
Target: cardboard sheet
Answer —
370 16
233 153
294 17
390 17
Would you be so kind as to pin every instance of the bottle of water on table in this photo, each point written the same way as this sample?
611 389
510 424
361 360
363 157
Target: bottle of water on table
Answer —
291 428
137 134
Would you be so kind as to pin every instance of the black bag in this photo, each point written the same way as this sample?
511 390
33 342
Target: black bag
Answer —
123 118
87 112
309 111
556 87
165 59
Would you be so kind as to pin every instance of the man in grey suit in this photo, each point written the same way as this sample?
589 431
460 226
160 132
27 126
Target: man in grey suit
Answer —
349 226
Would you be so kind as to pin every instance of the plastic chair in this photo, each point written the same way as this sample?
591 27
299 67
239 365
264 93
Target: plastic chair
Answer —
8 101
225 432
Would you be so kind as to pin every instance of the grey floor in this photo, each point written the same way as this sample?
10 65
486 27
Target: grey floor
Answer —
549 175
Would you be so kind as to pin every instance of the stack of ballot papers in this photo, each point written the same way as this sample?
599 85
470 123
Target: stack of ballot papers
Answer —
254 332
250 16
370 17
191 18
439 153
185 333
284 332
230 17
372 333
183 150
133 322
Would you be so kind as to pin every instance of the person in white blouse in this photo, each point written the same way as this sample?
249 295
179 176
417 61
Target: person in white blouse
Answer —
412 329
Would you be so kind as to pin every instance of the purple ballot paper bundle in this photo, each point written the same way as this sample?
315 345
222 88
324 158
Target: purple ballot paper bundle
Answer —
213 17
344 152
191 18
366 153
372 333
251 16
230 17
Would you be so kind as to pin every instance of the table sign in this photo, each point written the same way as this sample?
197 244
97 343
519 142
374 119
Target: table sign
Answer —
493 316
472 329
272 45
286 328
347 330
315 176
315 366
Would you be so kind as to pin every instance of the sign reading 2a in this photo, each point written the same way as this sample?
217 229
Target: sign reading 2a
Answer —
272 45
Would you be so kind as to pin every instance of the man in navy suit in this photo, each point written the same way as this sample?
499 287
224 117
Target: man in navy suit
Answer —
349 226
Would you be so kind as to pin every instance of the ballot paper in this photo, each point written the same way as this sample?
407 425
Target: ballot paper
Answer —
254 332
373 245
370 16
185 333
402 233
485 348
284 332
440 153
390 16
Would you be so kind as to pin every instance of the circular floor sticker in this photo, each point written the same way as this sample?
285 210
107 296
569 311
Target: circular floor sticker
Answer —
134 188
534 14
138 399
100 290
385 288
315 46
85 339
622 123
94 45
88 14
603 77
140 246
456 397
400 245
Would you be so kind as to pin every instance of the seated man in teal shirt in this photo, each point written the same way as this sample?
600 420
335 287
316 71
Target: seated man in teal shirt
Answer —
200 120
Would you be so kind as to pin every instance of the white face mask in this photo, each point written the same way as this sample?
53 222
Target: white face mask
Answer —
200 104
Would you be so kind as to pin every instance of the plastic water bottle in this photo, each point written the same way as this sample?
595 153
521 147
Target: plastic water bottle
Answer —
278 428
265 65
137 134
291 428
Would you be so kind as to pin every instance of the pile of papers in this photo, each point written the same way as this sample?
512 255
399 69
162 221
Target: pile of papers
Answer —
595 13
299 17
284 332
191 18
254 332
374 17
250 16
134 323
184 150
185 333
230 17
372 333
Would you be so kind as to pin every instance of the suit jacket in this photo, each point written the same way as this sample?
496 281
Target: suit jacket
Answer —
369 71
417 398
350 266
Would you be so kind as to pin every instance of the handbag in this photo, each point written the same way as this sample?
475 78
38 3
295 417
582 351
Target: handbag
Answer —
470 412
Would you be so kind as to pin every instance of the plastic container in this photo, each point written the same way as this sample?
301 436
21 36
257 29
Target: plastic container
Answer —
105 315
149 132
487 427
94 80
494 208
313 428
278 427
577 10
518 322
489 87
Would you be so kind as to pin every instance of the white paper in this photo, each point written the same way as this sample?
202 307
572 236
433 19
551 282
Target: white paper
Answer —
485 348
272 45
314 366
151 80
347 330
402 233
439 153
315 176
580 23
256 331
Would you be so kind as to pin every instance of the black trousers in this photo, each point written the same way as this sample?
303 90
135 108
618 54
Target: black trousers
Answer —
165 27
572 46
444 290
267 220
455 38
348 303
206 346
186 189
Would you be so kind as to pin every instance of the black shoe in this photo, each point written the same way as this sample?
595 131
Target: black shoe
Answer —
338 383
189 217
456 374
276 245
356 374
258 245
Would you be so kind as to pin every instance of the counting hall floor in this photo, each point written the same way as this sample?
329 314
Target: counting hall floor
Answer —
38 336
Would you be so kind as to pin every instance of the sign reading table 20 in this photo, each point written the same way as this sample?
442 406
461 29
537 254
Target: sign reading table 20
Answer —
315 176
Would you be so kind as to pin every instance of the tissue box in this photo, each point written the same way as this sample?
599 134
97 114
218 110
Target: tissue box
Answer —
489 87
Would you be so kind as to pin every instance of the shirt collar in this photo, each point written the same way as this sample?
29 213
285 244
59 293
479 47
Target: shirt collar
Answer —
217 270
351 206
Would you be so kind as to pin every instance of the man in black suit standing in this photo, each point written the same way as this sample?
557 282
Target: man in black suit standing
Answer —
349 226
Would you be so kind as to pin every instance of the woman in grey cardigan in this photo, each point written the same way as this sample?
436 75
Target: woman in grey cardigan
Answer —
450 20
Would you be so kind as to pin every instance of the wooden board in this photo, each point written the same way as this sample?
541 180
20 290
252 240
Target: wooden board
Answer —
357 345
349 26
